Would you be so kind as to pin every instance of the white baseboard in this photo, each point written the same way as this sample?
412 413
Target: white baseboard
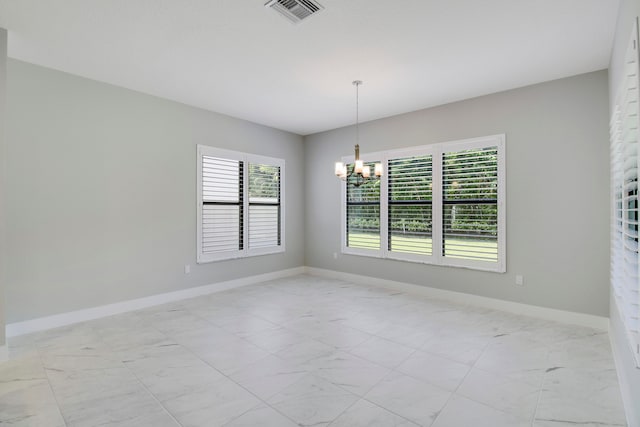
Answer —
624 360
581 319
63 319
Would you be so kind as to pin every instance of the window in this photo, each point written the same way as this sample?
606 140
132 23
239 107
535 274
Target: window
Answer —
438 204
239 204
470 204
410 207
363 215
624 214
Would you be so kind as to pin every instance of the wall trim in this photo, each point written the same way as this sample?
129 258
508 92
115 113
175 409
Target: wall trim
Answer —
63 319
622 366
580 319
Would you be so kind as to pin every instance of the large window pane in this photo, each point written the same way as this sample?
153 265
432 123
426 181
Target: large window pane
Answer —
470 204
222 229
410 199
264 205
363 214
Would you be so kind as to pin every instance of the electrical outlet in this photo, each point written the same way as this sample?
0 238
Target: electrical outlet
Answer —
519 280
187 269
335 255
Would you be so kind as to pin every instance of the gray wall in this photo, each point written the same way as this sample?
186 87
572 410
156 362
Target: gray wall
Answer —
557 192
101 193
3 112
627 372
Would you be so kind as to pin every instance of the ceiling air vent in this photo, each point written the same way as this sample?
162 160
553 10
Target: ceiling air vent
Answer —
295 10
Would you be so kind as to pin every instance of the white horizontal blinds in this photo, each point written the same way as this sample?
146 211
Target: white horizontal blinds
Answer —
222 205
410 205
264 206
624 169
363 214
470 204
629 131
617 214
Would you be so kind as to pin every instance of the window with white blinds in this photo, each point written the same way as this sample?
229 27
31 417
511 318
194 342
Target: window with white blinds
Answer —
470 204
363 215
624 125
239 204
410 184
222 205
264 205
438 204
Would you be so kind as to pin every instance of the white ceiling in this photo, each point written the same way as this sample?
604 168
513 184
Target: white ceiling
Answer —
239 58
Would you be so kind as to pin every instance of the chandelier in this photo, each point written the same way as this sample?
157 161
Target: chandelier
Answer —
358 173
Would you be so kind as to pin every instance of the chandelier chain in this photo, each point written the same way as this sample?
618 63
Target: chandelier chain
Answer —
357 83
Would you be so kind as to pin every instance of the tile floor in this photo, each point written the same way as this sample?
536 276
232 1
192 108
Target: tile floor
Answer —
310 351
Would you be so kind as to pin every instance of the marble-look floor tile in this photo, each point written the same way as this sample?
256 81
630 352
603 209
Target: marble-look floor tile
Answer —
84 359
234 355
517 358
312 401
382 352
28 403
340 336
413 337
205 340
174 321
246 325
269 376
585 352
366 414
371 323
503 393
307 350
304 351
22 369
275 340
122 340
156 418
128 406
409 397
220 315
67 338
435 370
76 385
103 396
550 333
214 405
350 372
554 423
172 372
581 396
460 347
263 416
462 412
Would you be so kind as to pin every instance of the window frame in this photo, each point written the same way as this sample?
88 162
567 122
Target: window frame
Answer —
436 257
246 159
